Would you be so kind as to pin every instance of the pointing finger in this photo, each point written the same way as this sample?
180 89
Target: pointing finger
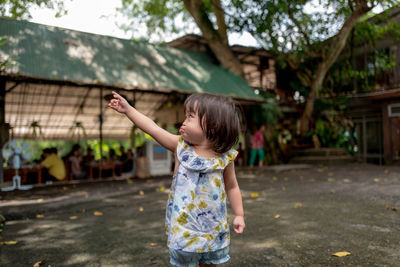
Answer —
117 96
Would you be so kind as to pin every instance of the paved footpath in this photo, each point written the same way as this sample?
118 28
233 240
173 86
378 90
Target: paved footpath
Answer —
295 216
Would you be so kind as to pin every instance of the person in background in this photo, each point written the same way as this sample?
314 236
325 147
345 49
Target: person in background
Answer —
87 160
111 155
76 163
127 164
89 157
53 167
123 156
257 144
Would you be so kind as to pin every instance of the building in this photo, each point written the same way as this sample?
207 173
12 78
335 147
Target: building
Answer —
258 64
376 114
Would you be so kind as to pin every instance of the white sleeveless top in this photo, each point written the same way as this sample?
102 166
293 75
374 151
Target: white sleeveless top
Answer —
196 216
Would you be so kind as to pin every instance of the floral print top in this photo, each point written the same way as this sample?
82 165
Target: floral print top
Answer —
196 216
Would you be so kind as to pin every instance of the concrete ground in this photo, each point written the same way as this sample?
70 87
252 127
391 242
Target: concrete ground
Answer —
295 216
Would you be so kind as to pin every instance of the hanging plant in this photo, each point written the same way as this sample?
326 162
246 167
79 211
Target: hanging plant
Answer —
77 130
35 131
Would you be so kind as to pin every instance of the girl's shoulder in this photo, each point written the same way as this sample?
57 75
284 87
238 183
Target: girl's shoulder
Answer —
190 160
223 160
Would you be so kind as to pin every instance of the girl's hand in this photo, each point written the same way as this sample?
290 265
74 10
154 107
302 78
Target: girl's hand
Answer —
119 103
238 224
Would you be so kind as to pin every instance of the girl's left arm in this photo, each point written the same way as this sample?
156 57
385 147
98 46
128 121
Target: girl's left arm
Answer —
235 197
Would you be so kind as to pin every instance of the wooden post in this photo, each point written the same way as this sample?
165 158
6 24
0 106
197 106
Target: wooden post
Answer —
133 139
101 123
4 127
387 138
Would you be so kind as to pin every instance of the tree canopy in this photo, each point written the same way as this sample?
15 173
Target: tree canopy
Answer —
19 9
308 35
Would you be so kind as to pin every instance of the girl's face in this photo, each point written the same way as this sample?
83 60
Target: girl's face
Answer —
191 129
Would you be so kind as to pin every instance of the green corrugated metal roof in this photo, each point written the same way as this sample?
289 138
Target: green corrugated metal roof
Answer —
59 54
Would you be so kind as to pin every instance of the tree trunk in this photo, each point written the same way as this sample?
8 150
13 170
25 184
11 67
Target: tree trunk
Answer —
216 39
333 52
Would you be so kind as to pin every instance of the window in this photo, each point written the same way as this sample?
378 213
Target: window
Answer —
394 110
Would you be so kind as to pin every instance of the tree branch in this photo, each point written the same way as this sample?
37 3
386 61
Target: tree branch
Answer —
221 49
220 15
339 41
298 25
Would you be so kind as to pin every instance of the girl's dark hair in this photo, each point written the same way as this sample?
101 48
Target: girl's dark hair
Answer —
219 119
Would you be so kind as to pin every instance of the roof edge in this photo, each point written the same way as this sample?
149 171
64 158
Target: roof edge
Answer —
119 87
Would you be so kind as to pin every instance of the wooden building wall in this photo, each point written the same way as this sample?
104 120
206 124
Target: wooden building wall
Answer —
391 134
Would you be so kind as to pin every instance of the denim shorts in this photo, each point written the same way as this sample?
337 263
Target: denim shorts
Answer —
182 258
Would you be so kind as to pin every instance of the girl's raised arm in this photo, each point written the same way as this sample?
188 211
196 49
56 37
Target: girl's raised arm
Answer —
163 137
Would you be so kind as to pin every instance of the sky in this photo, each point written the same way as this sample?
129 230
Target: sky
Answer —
101 17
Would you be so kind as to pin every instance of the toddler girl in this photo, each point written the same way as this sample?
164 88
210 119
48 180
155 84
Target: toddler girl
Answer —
204 175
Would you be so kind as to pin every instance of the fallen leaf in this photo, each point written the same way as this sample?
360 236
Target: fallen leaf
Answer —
346 181
386 171
40 200
283 188
341 254
8 243
37 264
331 180
73 217
141 209
275 178
391 208
65 188
97 213
377 180
333 191
129 181
254 195
161 189
39 216
298 205
153 244
277 216
141 193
